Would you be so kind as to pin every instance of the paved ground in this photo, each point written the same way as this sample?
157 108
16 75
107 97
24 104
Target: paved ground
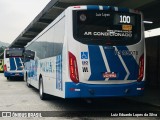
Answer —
16 96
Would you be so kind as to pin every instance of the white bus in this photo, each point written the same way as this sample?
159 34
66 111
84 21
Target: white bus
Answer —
87 52
13 63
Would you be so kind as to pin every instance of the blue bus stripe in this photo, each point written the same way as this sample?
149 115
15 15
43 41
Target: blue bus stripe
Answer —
18 62
130 63
56 73
123 9
12 64
92 7
59 72
115 64
96 63
96 7
113 9
106 7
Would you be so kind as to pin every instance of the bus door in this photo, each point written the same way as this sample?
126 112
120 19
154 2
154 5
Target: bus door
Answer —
30 66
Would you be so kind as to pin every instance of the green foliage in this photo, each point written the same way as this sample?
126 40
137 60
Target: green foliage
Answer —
1 51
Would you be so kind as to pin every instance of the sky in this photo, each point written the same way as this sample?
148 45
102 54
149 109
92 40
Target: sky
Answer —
16 15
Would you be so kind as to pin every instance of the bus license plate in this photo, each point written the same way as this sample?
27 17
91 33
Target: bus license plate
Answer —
109 75
17 74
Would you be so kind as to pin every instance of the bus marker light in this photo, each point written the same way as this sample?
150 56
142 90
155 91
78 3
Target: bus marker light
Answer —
140 88
74 89
76 7
77 90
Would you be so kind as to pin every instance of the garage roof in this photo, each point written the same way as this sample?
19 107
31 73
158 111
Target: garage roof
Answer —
150 8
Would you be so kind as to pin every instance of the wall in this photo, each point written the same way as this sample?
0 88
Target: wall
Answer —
153 62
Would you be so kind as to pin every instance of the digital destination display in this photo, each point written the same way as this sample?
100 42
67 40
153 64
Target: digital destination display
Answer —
108 25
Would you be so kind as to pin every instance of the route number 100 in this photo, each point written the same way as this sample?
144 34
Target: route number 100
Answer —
125 19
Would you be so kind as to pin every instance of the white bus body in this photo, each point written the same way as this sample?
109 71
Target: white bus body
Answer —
76 56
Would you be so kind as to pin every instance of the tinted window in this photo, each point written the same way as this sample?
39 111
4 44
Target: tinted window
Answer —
50 43
106 27
28 55
14 53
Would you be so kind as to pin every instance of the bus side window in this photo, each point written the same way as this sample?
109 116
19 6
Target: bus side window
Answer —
28 55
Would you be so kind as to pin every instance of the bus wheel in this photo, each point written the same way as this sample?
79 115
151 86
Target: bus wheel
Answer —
42 95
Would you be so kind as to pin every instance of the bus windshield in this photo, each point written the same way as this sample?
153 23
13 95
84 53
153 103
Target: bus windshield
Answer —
14 53
106 27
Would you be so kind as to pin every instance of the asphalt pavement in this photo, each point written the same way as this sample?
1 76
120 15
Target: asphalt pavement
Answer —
15 96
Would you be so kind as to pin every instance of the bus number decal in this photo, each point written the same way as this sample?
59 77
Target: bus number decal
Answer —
125 19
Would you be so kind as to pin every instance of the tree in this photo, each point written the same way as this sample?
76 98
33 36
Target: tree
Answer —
2 51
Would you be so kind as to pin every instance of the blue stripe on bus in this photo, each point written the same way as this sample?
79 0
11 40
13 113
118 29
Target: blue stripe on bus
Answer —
113 8
95 7
12 64
92 7
96 63
115 64
18 62
106 7
123 9
59 72
130 63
